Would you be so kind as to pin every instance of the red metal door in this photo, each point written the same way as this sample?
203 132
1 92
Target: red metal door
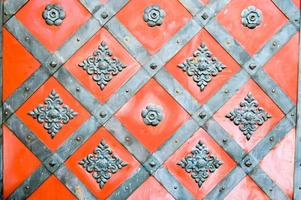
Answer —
150 99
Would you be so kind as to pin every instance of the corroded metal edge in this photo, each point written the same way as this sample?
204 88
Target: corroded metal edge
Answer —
297 175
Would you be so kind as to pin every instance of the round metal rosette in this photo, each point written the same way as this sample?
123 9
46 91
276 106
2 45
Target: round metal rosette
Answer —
152 115
153 15
54 14
251 17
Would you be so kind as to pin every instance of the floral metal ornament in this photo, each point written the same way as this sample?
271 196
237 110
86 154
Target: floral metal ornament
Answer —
202 67
53 114
102 66
152 115
153 15
54 14
251 17
102 163
248 116
200 163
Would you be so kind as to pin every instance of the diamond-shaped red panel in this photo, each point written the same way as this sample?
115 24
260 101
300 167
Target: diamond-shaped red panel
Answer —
252 39
31 16
18 162
263 101
246 189
38 98
279 163
283 67
117 51
153 38
213 178
152 136
117 178
151 190
231 67
18 64
51 189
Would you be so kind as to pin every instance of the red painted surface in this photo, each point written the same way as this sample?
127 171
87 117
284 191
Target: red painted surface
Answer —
58 191
38 98
279 163
87 178
152 137
52 37
18 64
252 39
150 190
216 83
283 67
153 38
246 190
18 162
263 100
87 50
214 178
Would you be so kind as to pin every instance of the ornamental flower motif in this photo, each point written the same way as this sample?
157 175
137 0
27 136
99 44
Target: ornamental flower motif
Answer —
53 114
152 115
102 163
102 65
249 116
251 17
153 15
54 14
202 67
200 163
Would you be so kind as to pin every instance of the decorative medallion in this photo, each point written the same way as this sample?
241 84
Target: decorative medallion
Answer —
202 67
251 17
152 115
248 116
200 163
54 14
153 15
102 163
53 114
102 66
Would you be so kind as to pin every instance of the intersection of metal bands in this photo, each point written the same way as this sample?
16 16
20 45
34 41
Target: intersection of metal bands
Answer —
172 86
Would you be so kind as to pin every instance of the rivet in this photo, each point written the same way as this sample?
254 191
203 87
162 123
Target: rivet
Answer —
205 16
126 38
273 90
271 189
178 41
77 89
228 42
53 64
104 15
177 91
126 187
6 112
292 114
299 187
175 187
52 163
127 90
226 91
5 13
27 89
203 115
176 141
78 138
222 188
248 163
27 38
252 66
77 39
103 114
153 66
275 43
225 140
127 139
28 137
272 139
27 187
152 164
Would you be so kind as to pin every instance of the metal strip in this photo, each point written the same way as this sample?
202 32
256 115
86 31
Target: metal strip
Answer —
1 98
193 6
172 185
75 186
290 10
224 187
127 139
30 184
11 8
130 185
267 184
297 175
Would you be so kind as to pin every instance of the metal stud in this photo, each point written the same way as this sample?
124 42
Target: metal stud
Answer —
222 189
175 187
127 139
153 66
271 138
27 89
53 64
152 164
273 90
104 15
275 43
28 137
52 163
126 187
27 38
78 138
252 66
77 39
77 89
225 140
203 115
103 114
205 16
226 91
27 187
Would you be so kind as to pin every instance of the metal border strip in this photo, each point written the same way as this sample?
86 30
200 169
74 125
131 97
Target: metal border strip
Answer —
1 97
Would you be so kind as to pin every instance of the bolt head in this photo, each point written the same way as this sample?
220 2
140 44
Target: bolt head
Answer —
252 66
153 66
203 115
52 163
53 64
103 114
152 164
104 15
78 138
